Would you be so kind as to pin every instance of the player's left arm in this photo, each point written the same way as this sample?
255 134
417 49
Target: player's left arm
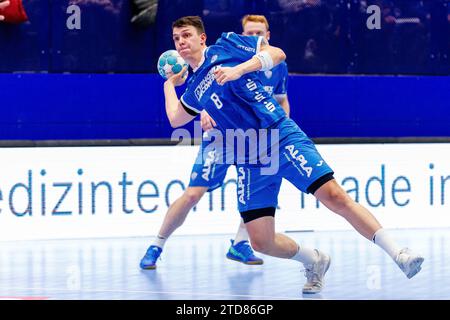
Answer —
284 102
267 58
280 90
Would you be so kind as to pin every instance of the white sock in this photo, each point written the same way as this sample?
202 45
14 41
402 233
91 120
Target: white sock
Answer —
241 234
159 241
306 255
385 242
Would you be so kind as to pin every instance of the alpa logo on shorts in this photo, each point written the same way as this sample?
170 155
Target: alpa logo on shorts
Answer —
241 186
300 158
209 161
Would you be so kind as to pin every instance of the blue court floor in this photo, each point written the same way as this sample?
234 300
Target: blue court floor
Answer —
195 267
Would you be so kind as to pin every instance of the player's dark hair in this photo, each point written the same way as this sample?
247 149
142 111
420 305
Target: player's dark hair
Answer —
194 21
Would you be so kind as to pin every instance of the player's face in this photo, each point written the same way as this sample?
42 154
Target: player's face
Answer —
256 29
187 41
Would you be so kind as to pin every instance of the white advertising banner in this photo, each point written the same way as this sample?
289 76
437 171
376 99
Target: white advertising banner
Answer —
88 192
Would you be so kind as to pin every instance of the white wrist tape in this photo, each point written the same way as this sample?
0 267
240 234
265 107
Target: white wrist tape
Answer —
265 59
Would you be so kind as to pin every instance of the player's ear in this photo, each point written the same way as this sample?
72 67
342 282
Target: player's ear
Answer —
268 35
203 38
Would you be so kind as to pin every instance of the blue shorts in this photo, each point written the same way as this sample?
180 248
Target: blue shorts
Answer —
209 169
298 161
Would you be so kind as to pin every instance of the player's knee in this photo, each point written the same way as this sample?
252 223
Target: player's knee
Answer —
338 200
260 244
192 196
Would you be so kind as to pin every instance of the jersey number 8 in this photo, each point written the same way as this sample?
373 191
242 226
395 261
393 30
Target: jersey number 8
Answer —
215 98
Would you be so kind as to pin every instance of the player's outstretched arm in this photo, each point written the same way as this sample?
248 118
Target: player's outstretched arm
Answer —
175 112
267 58
3 5
284 102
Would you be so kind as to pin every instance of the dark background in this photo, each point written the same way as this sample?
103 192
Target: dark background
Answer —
100 82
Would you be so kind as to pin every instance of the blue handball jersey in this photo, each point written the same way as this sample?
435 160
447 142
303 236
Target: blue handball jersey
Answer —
239 104
275 81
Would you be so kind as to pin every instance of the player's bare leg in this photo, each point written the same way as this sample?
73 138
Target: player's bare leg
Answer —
178 211
175 217
240 249
265 240
337 200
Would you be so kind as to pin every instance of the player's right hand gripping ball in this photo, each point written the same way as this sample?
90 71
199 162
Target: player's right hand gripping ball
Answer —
170 62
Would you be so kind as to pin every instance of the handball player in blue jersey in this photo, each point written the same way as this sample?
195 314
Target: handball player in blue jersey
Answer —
225 84
275 83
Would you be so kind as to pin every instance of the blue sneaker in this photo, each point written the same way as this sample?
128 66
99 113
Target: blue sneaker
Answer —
242 252
149 260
